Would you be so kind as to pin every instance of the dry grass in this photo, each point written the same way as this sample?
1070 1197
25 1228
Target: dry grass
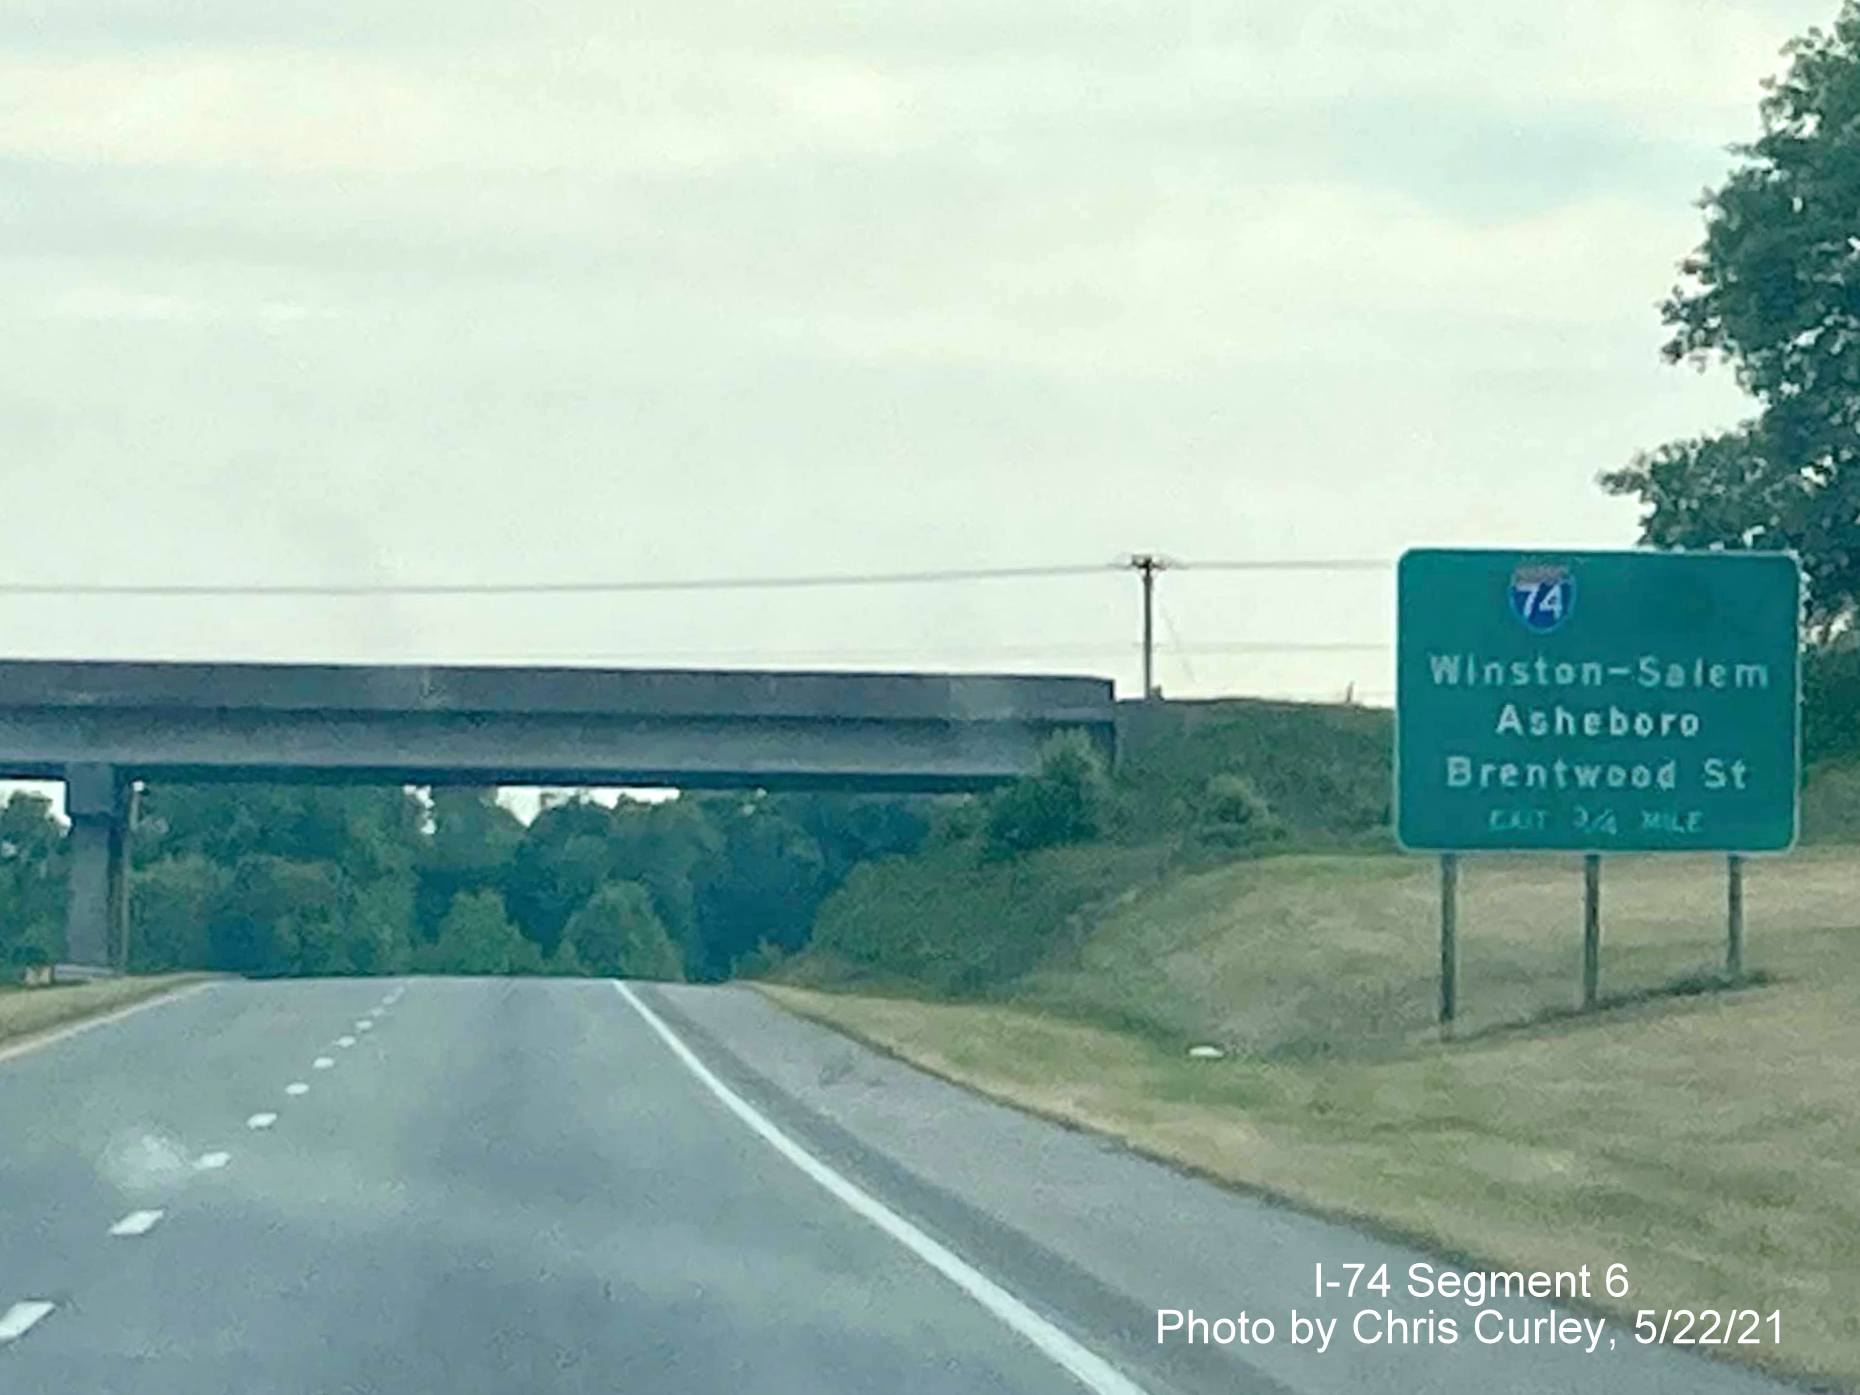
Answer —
1308 956
1711 1143
27 1012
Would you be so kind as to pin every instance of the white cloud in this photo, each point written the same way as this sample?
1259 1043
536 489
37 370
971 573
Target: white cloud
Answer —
111 303
596 108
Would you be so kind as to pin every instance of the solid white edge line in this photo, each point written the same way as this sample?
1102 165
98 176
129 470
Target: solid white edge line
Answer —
137 1223
84 1024
1089 1369
21 1318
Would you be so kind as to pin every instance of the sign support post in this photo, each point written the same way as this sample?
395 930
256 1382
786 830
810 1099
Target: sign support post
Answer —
1449 940
1591 930
1734 916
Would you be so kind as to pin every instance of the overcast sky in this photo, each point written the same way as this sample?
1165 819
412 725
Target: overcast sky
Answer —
395 292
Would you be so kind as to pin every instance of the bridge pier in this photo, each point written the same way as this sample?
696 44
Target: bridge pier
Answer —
97 906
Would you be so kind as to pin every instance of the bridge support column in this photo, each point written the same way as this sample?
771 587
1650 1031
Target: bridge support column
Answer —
97 907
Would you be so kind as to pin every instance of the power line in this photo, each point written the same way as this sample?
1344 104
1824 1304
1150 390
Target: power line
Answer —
1274 646
1286 564
535 588
925 652
816 581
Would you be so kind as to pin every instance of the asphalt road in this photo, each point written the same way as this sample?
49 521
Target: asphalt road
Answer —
535 1186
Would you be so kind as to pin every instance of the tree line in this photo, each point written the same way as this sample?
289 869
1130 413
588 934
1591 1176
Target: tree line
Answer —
302 879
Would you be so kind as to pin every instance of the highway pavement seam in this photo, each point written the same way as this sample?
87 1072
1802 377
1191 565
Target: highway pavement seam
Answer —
1082 1364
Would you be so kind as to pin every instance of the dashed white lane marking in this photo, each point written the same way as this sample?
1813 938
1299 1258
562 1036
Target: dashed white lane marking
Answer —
297 1087
21 1318
376 1011
261 1121
345 1042
211 1162
1087 1367
364 1026
322 1063
137 1223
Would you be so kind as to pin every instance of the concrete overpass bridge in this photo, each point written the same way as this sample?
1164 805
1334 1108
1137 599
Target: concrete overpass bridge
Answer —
100 726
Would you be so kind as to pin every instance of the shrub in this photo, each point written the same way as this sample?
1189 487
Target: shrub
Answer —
958 819
1233 813
759 962
1063 801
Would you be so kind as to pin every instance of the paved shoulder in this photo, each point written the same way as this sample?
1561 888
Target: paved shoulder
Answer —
1105 1238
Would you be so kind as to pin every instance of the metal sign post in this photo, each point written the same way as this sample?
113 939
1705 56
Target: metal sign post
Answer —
1734 917
1449 940
1591 931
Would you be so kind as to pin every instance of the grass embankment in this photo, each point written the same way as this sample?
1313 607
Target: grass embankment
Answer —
1710 1141
28 1012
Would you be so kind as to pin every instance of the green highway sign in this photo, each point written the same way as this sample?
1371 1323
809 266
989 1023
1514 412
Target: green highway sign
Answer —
1596 701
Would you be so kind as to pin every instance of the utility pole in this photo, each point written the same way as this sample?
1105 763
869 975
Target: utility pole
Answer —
1146 565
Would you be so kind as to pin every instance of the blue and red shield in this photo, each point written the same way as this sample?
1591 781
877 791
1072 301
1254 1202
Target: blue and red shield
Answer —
1542 596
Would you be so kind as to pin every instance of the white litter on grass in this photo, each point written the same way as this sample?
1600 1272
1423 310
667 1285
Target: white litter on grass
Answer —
1206 1051
20 1319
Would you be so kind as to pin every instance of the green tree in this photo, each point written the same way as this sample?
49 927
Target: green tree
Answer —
279 916
564 856
616 934
476 937
368 831
1065 800
1774 291
663 846
472 843
764 882
32 879
171 901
